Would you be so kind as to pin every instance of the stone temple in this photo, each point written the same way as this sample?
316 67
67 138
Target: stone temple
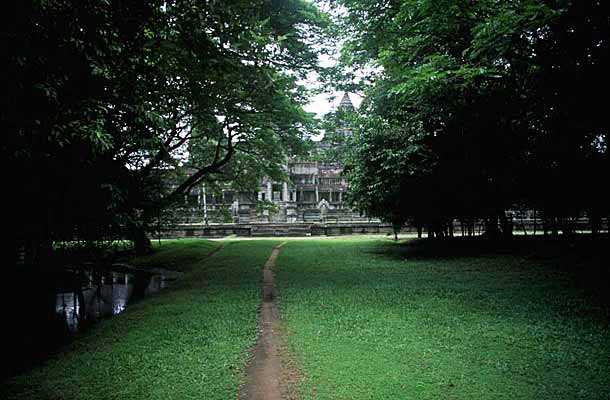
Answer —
315 192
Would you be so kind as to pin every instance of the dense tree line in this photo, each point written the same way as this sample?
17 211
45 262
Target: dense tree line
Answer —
475 108
108 103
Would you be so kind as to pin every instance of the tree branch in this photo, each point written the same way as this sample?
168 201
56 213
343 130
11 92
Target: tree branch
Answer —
216 165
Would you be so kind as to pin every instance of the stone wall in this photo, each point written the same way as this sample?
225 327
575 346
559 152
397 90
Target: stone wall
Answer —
266 230
335 229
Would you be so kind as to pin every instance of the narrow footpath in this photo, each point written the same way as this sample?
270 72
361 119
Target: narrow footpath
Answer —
267 375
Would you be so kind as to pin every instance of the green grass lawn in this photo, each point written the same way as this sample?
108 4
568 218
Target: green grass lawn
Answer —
189 342
368 320
176 255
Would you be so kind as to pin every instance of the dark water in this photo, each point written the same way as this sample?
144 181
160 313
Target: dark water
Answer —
106 294
46 310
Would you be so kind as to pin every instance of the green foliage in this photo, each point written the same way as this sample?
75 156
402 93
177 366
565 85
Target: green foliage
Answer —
220 215
108 99
99 252
337 127
500 93
266 208
377 184
60 55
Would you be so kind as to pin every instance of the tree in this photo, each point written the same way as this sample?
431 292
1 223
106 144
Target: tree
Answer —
383 161
111 97
483 80
54 112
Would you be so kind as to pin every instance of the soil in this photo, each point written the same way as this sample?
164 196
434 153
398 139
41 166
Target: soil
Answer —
270 375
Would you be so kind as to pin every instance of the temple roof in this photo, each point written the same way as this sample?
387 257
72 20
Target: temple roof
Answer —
346 103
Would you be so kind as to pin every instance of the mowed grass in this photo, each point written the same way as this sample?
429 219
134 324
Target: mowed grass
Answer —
366 321
188 342
176 255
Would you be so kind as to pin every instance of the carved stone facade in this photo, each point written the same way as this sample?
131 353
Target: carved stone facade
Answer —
315 193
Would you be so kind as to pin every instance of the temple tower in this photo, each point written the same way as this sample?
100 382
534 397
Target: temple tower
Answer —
346 103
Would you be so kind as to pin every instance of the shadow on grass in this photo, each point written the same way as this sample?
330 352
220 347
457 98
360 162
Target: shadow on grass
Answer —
538 247
583 258
496 319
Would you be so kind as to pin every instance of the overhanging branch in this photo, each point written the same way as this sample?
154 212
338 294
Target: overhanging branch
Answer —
217 164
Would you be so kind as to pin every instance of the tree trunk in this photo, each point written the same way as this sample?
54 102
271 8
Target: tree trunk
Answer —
396 228
82 305
555 226
505 224
141 242
438 230
491 226
595 222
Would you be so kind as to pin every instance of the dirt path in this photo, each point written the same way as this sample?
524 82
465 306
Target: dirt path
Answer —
268 377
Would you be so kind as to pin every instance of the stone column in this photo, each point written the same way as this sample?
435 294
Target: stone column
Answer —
317 195
205 206
341 197
269 191
285 192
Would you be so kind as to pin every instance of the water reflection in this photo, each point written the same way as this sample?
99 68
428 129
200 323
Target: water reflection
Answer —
105 294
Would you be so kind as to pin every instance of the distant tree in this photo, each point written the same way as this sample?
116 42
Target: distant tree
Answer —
266 208
382 164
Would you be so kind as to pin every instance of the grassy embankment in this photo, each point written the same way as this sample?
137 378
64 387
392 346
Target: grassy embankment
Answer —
187 342
371 320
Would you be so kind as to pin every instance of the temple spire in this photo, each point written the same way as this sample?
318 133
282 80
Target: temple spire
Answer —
346 104
345 107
